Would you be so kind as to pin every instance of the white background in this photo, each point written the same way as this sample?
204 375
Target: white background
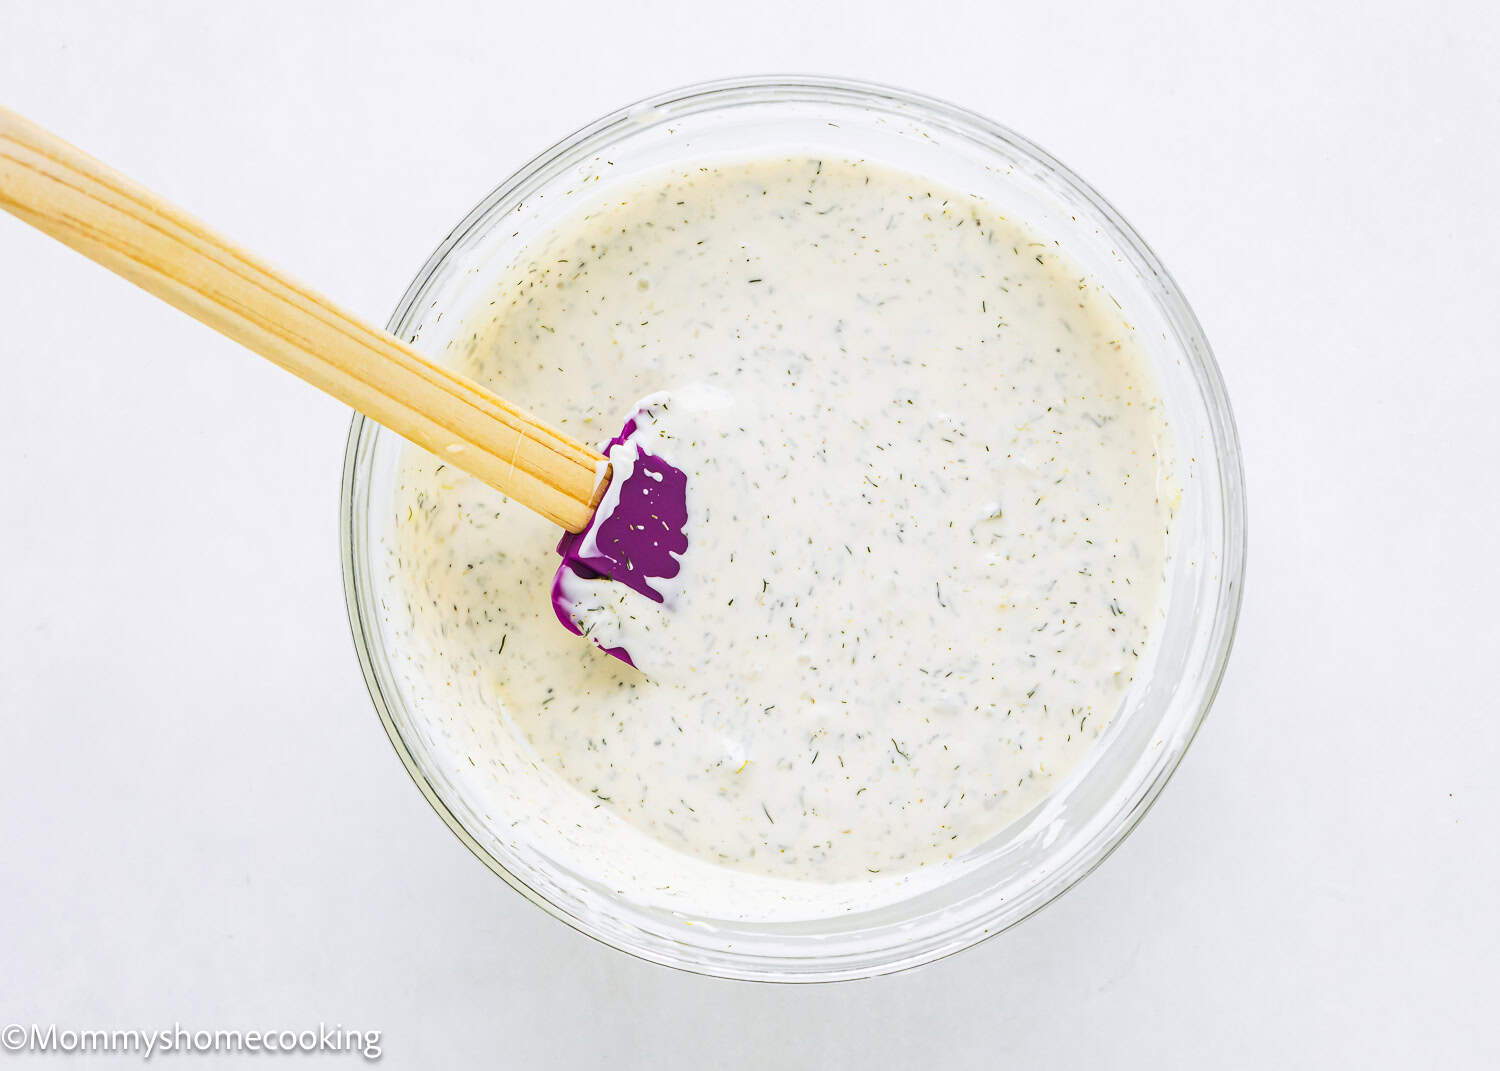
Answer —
201 819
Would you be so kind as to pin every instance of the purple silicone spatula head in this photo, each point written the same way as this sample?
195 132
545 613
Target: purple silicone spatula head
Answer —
636 538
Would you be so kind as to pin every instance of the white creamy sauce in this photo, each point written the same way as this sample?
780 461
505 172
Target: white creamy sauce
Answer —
929 503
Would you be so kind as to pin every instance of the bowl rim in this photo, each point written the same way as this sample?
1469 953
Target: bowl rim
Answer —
1228 467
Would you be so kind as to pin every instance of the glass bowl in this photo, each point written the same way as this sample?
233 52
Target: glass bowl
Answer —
1071 832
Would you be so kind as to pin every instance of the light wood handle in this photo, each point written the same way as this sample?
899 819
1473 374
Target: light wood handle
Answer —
136 234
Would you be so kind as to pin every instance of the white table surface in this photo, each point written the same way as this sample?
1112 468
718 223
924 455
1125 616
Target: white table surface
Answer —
201 820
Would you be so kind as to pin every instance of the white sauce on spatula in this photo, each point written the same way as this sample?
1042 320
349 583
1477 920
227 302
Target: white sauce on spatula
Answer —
928 525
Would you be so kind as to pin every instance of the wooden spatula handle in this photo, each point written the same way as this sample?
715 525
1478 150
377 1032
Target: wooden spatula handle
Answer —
136 234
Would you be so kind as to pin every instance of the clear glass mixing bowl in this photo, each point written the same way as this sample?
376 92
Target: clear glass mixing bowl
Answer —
1039 857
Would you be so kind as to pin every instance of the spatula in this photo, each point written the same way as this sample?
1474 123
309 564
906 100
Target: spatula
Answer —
638 538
